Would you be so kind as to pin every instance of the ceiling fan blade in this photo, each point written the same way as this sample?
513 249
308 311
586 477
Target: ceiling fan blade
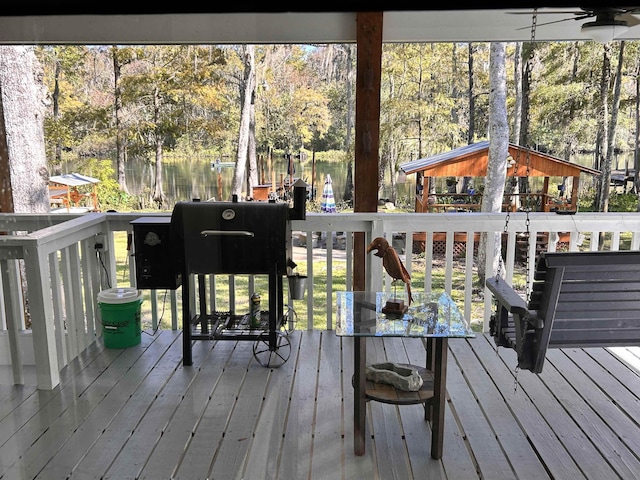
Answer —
556 12
630 18
626 10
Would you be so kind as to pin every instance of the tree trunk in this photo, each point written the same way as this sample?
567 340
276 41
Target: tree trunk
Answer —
471 135
517 83
570 138
23 98
158 192
498 152
348 187
117 107
254 178
528 52
527 67
471 99
6 195
611 135
455 93
603 127
636 153
55 98
247 89
349 94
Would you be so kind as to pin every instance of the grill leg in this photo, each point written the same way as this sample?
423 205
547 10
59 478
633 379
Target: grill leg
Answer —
276 308
202 296
186 321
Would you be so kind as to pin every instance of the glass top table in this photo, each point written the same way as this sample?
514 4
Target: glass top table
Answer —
365 314
433 317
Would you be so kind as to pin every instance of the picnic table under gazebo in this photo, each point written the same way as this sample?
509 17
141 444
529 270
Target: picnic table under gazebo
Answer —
472 160
63 189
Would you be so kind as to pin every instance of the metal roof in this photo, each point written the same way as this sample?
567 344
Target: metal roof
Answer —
424 163
73 179
479 151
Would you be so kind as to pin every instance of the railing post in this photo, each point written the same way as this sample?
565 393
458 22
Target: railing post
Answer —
89 294
375 271
58 311
12 303
42 321
488 269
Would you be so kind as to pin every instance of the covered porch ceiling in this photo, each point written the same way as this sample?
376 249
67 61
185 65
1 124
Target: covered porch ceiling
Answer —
328 23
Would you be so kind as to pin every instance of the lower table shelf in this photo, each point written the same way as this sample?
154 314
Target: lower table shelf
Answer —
382 392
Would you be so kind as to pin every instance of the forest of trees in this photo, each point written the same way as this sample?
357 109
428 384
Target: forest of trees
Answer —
243 101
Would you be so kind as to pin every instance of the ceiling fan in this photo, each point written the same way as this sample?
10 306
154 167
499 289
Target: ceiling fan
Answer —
609 23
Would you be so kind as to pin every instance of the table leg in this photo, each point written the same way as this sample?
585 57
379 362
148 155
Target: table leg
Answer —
359 395
430 348
439 397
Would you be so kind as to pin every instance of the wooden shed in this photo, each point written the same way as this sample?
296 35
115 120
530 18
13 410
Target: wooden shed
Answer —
471 161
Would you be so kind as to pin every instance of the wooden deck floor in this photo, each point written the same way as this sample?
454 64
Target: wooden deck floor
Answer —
138 413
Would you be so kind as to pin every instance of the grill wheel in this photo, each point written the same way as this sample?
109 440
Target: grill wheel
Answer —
272 357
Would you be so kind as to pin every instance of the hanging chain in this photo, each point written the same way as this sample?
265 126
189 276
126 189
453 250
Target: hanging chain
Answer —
534 24
528 232
534 21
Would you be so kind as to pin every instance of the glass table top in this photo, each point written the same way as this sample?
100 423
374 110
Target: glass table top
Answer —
371 314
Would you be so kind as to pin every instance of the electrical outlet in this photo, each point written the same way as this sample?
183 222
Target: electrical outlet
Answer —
100 242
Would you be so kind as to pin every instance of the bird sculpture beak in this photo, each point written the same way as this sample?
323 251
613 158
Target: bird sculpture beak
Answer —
370 247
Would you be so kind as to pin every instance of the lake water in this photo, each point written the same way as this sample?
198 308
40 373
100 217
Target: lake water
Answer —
194 178
187 179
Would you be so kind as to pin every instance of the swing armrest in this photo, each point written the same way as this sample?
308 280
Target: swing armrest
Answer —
509 324
507 297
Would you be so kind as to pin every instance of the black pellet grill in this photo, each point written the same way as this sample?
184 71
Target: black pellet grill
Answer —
233 238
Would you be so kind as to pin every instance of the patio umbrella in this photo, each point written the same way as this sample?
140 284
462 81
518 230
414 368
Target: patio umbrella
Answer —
328 204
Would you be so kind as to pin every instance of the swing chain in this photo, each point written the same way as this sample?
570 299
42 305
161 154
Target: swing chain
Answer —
528 232
534 24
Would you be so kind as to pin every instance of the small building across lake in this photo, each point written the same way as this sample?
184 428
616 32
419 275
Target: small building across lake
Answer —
471 161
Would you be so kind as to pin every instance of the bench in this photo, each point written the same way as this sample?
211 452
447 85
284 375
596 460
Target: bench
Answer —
578 299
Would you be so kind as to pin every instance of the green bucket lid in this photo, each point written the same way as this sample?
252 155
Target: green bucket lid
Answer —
119 295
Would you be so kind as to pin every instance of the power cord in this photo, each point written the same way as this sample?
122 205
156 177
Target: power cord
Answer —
101 262
164 303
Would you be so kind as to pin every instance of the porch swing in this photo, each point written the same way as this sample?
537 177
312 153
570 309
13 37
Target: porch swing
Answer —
576 299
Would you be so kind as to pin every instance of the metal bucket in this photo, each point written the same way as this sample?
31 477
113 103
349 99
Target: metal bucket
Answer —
297 285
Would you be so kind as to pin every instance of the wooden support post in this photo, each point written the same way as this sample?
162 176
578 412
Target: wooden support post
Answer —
367 130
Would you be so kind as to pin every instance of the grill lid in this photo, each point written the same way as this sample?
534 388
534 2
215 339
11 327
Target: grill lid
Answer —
232 237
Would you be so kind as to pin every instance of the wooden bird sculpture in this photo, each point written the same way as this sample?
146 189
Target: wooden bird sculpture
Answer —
391 263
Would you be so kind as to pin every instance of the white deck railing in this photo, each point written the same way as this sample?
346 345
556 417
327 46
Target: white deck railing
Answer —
48 319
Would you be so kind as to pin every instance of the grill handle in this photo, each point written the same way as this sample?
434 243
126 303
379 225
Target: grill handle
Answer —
229 233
